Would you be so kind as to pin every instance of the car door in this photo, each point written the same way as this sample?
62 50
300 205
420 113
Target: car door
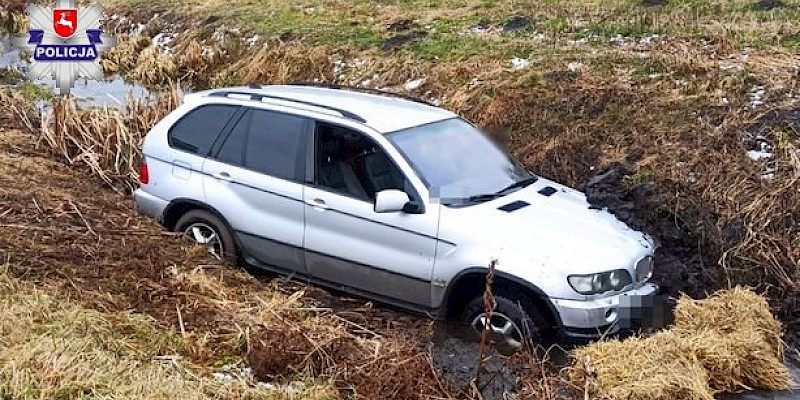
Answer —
190 140
254 180
388 255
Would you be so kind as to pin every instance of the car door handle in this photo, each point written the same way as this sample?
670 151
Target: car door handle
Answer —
224 176
317 203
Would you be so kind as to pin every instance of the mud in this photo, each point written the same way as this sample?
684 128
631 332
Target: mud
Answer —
517 24
652 3
398 41
456 351
767 5
679 265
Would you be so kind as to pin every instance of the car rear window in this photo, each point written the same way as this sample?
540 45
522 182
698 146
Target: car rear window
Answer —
196 131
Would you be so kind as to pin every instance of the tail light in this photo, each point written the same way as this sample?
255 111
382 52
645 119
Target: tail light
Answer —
144 173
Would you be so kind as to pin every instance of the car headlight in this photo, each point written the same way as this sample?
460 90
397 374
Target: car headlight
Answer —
600 283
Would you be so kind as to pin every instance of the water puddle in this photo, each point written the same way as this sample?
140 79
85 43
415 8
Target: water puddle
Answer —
111 91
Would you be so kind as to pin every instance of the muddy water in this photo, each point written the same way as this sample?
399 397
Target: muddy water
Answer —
111 91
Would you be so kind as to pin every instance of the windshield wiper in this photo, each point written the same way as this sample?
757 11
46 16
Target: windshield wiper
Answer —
516 185
480 198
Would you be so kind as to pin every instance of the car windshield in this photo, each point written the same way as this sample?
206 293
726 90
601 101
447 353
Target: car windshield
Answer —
459 164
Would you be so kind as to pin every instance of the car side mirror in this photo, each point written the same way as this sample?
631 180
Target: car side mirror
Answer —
391 200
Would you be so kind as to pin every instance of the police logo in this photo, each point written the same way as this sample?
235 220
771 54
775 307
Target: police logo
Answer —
65 42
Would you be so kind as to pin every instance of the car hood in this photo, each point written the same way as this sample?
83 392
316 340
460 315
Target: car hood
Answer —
545 228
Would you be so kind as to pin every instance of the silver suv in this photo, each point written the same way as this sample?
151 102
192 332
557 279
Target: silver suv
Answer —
395 200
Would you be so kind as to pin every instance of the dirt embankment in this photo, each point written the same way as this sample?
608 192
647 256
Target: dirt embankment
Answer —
61 229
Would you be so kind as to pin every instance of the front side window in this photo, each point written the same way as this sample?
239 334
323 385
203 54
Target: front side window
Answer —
267 142
197 130
458 163
350 163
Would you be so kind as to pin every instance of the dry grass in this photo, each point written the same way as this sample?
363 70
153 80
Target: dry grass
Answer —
91 251
54 348
108 141
726 343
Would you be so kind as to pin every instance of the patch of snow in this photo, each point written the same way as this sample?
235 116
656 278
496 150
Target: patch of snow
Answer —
757 96
519 63
649 40
338 68
230 372
163 39
575 66
758 155
580 41
413 84
731 67
253 41
267 386
480 30
369 81
617 39
137 30
222 32
577 23
221 376
768 175
208 51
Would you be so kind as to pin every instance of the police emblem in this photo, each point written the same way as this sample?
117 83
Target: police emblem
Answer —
65 42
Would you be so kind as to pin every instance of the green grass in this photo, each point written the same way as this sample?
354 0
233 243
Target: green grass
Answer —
36 92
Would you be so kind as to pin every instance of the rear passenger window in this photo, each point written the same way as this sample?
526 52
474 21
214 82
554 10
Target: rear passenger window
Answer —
274 143
267 142
198 129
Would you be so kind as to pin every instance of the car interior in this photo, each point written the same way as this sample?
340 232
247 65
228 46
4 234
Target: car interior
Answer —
350 163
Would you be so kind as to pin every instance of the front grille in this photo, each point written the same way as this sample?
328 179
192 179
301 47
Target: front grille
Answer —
644 269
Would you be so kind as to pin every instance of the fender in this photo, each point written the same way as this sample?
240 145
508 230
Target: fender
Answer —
169 223
512 278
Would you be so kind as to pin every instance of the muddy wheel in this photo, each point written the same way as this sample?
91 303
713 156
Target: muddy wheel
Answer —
514 322
206 229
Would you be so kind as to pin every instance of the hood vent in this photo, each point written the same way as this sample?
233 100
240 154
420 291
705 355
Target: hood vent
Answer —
547 191
514 206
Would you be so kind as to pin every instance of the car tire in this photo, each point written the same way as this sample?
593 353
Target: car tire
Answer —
516 322
197 224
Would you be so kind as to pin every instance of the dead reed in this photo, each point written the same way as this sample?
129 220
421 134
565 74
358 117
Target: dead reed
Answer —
726 343
106 140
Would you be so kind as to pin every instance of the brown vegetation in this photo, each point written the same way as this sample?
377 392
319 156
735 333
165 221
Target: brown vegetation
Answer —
90 250
724 344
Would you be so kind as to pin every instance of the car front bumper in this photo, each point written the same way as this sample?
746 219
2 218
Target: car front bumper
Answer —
149 205
588 319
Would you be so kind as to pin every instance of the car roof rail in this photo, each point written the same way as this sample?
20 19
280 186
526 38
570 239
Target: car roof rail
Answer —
362 90
261 96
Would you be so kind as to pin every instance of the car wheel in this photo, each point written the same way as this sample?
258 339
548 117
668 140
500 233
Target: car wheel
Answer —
514 322
208 230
